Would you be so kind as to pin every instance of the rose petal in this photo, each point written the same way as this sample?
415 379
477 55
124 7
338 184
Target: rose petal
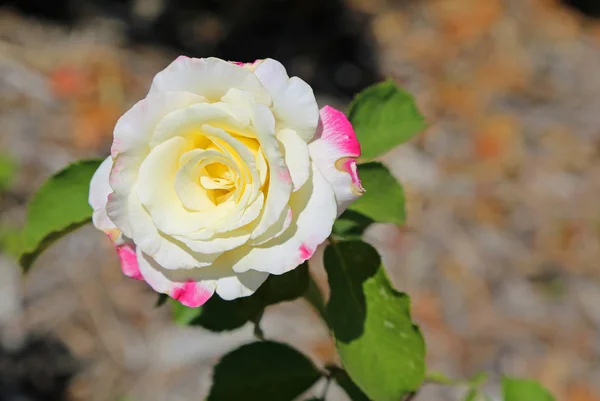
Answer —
168 252
313 213
294 102
280 180
334 150
208 77
132 137
128 259
296 156
194 287
98 197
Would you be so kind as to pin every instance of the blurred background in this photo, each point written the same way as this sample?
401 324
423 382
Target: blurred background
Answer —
501 251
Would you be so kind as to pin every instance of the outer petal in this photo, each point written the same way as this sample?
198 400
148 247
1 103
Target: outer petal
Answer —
334 150
240 285
194 287
294 102
208 77
98 197
99 192
129 262
188 292
134 129
132 136
313 213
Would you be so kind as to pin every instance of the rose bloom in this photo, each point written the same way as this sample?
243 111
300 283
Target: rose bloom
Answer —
225 173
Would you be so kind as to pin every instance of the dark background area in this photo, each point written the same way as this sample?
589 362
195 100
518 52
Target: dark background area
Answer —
320 40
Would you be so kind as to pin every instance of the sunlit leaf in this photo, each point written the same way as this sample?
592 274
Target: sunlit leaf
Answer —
383 201
383 117
380 347
516 389
59 207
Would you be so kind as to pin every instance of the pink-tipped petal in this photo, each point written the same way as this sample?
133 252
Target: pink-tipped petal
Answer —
250 66
334 151
129 263
191 294
337 131
305 252
194 287
348 165
178 285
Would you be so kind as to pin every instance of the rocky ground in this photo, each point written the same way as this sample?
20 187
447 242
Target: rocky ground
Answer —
501 250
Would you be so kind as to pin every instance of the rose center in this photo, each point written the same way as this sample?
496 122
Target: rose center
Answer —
218 181
216 176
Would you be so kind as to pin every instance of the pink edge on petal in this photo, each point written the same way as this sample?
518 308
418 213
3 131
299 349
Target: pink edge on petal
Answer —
338 131
305 252
285 176
114 148
191 294
243 64
348 165
129 262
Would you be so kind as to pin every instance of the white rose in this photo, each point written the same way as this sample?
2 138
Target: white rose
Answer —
225 173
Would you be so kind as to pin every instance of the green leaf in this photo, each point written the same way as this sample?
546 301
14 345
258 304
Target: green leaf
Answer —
383 200
262 371
314 296
351 225
59 207
516 389
345 382
8 170
284 287
220 315
380 347
348 271
384 116
182 315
